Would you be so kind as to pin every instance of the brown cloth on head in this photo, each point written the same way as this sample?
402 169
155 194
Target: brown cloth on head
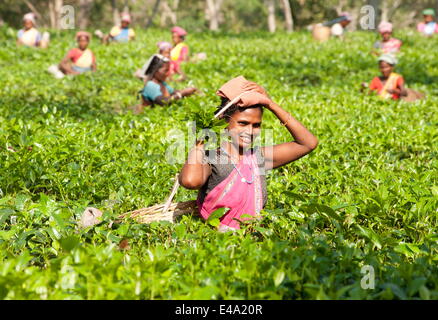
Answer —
238 86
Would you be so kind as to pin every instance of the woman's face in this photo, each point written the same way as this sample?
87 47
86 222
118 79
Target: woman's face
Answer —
27 24
125 24
176 38
165 53
428 18
386 36
385 68
244 126
161 73
83 43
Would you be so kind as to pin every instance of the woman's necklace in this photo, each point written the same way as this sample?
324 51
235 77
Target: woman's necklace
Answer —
238 171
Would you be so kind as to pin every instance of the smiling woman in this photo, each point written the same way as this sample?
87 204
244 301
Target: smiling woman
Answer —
233 175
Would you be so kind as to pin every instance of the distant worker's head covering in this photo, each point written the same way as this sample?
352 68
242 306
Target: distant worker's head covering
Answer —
346 15
385 27
83 34
164 45
179 31
388 58
30 17
126 17
429 12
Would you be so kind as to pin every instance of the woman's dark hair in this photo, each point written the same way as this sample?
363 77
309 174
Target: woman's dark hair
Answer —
155 65
233 108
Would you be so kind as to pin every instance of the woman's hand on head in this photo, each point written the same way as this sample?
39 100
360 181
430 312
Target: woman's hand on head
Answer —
252 86
254 98
258 95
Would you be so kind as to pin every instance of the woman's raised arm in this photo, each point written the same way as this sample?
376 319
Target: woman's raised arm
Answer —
304 141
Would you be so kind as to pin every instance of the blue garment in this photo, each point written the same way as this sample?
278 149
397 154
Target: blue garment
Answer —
334 21
152 90
429 29
123 36
80 69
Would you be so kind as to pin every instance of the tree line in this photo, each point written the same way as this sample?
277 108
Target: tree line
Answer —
200 15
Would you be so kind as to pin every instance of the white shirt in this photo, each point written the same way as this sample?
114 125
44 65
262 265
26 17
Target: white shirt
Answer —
337 30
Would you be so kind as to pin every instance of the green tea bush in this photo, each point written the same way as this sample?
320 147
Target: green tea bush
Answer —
368 195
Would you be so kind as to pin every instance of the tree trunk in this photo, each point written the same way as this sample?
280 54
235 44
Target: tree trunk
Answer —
395 5
116 13
169 12
126 7
288 15
40 19
354 19
409 20
84 13
384 15
154 12
213 13
271 15
341 6
55 13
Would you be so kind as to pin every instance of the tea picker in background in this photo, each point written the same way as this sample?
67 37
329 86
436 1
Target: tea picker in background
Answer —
29 36
389 84
164 49
122 33
232 176
388 44
428 27
156 90
77 60
180 52
333 28
339 24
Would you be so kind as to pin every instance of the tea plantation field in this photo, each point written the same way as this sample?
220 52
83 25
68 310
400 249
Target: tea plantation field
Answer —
366 197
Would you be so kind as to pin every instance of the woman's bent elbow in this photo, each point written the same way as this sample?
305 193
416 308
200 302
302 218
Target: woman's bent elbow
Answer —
312 144
190 183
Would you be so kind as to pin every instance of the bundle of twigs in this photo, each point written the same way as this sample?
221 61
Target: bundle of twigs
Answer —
413 95
156 212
